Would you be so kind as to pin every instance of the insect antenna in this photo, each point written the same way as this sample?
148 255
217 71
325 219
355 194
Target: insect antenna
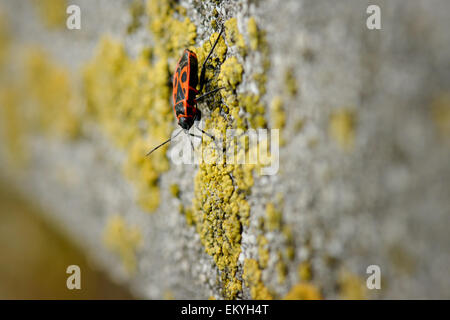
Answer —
157 147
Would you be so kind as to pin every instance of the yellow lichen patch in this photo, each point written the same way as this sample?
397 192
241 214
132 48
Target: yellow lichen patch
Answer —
220 211
290 83
188 214
281 268
217 57
175 190
234 37
144 172
299 125
253 33
258 42
168 295
263 251
230 77
273 217
255 109
304 271
12 124
4 39
303 291
130 99
220 207
290 249
137 9
230 74
253 279
278 116
53 100
342 128
52 12
172 36
124 240
440 109
351 286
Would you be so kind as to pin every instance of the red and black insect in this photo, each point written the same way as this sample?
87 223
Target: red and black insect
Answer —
184 93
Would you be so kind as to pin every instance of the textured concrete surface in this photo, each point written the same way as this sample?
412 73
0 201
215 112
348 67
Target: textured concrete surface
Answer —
364 173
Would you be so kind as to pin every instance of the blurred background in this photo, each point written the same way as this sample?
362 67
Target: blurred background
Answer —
364 178
35 256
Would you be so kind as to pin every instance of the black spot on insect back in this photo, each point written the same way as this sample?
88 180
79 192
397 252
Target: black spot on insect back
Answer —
179 108
180 94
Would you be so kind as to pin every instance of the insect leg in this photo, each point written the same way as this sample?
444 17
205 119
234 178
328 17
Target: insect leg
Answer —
209 135
208 93
204 132
192 145
194 135
202 74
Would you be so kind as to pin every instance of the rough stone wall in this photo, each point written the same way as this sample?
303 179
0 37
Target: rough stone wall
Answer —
364 118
